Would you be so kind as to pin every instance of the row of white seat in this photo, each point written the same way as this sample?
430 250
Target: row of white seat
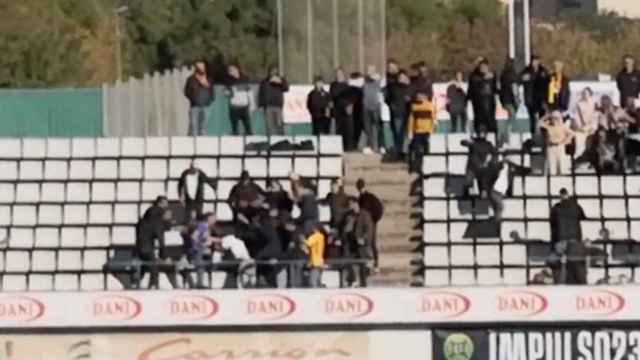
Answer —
161 169
82 148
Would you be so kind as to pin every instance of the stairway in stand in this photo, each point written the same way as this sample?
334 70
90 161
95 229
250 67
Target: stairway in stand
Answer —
400 224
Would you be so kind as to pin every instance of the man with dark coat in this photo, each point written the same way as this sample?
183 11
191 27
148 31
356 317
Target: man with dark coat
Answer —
628 81
246 198
238 89
191 191
271 100
150 229
535 80
200 93
566 237
482 94
421 81
318 105
374 206
482 155
398 95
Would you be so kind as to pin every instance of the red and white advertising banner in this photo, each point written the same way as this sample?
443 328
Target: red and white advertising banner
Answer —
345 306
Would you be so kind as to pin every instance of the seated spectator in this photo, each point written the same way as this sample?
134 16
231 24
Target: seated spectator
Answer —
314 244
358 233
375 207
191 191
607 160
246 198
422 123
481 154
566 237
585 122
557 136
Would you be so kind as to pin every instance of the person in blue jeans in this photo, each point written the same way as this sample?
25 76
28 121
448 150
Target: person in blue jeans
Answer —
200 93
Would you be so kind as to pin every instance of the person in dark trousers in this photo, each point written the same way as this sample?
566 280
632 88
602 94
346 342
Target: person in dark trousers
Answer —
482 94
398 98
338 202
559 94
372 111
535 80
278 199
319 107
358 232
457 103
191 191
482 154
238 89
246 198
566 238
509 98
306 200
422 123
374 206
150 229
340 93
200 93
628 81
271 100
356 109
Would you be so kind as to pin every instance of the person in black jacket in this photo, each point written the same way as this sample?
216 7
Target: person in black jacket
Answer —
318 105
240 96
457 103
482 154
340 92
200 93
535 80
509 97
628 81
421 81
191 190
559 94
150 229
375 208
398 97
566 238
271 100
482 94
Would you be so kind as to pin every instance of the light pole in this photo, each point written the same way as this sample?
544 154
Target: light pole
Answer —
119 12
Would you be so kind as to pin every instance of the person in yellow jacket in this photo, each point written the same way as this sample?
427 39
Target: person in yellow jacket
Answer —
314 246
422 123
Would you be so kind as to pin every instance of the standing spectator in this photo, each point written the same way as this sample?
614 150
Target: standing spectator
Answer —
278 198
482 93
422 123
338 202
482 154
200 93
617 122
341 98
191 190
318 105
271 100
198 247
558 136
314 244
457 103
566 238
358 235
585 122
628 81
356 108
509 97
535 80
393 72
374 206
306 200
240 96
559 93
422 79
399 100
372 119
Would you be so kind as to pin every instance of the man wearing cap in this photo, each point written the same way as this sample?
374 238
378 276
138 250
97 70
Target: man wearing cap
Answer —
318 105
558 135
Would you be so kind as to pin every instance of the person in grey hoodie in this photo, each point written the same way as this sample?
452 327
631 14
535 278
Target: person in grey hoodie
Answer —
240 96
372 115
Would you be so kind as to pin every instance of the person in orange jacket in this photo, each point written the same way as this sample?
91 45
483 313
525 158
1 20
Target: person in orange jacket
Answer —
422 123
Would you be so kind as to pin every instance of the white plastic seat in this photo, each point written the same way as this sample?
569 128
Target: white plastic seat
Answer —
65 282
50 215
591 208
513 209
595 275
331 145
539 230
17 261
103 192
152 189
438 144
434 164
224 189
436 278
83 148
457 164
617 229
207 146
308 167
5 215
231 145
324 188
612 185
325 213
463 277
24 215
128 191
456 208
282 167
157 147
125 213
434 187
462 255
14 283
436 256
132 147
537 209
108 147
92 282
43 260
435 210
454 143
56 170
515 277
587 185
155 169
556 183
78 192
514 254
256 166
489 277
11 148
209 166
34 148
536 186
106 169
633 185
123 235
330 167
8 170
614 209
114 284
69 260
58 148
81 170
72 237
52 192
298 139
172 191
488 255
31 170
435 233
183 146
40 282
224 212
21 238
591 230
100 214
510 228
230 168
131 169
27 192
46 237
178 166
75 214
209 207
94 260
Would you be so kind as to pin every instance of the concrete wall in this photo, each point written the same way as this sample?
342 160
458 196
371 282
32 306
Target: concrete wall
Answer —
629 8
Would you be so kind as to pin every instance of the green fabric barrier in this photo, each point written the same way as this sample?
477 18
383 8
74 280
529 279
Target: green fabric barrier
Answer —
51 112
